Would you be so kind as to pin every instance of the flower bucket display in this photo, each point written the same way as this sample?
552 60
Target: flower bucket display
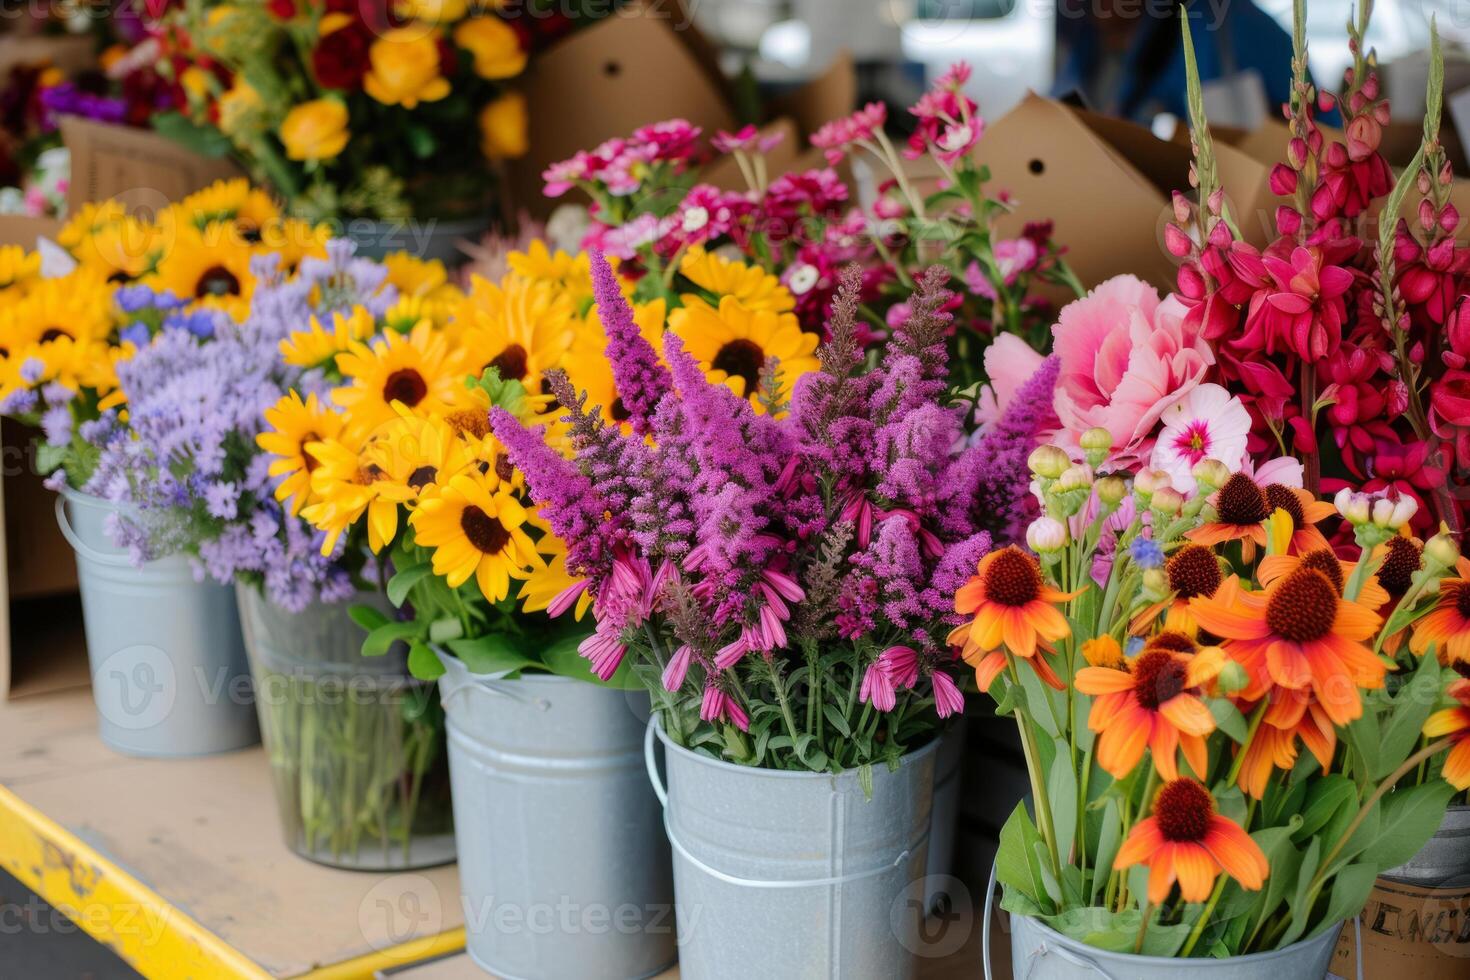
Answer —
356 745
814 879
168 667
544 769
1039 953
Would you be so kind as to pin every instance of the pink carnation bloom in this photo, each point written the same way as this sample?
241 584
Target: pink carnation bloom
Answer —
839 136
1125 358
747 139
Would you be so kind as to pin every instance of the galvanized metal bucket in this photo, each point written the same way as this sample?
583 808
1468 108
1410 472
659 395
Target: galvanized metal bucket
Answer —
939 872
1445 860
563 864
1039 952
168 666
789 874
424 238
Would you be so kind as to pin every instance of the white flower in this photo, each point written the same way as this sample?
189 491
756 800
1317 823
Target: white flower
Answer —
695 219
1209 423
1046 534
803 277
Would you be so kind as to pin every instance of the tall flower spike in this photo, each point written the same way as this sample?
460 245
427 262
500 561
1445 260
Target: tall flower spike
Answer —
641 379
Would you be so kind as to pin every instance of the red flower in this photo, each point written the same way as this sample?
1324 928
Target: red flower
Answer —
1303 310
341 58
281 9
1429 280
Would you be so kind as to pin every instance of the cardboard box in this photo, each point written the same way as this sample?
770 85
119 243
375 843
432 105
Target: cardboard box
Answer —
41 644
69 52
1106 185
1408 931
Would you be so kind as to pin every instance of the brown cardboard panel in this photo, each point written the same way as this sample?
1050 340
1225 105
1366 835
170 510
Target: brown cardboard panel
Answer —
831 95
70 53
627 71
23 230
725 174
1409 931
204 834
139 167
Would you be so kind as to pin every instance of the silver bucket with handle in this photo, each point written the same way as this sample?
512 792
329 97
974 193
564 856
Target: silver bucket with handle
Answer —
795 874
563 864
168 666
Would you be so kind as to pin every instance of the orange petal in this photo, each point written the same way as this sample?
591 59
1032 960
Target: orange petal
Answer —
1228 621
1287 664
1163 745
1196 868
1188 714
1457 766
989 669
1196 753
1103 680
1143 842
1273 567
1354 621
1239 856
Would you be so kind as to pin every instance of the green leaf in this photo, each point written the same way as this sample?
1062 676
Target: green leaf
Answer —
1411 708
382 638
368 617
1061 790
1110 838
204 140
1016 865
562 658
1328 797
404 580
1409 818
836 719
423 663
446 629
1350 889
492 653
1298 900
1229 719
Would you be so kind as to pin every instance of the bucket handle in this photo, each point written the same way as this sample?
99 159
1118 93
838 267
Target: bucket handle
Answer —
662 793
1081 961
450 688
81 547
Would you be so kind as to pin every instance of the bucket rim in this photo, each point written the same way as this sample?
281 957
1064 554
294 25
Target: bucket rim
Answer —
1253 959
904 761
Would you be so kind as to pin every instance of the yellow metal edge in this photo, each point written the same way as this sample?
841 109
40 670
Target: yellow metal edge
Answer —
110 905
414 951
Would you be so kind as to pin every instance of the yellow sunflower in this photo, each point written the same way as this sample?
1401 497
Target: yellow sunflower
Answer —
76 307
89 219
417 370
409 311
317 347
752 285
544 584
732 344
18 268
476 530
571 274
589 370
293 424
521 328
413 276
212 269
231 202
293 240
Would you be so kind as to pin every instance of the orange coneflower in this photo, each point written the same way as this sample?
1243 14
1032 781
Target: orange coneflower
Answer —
1153 703
1304 510
1291 715
1192 571
1240 508
1012 607
1185 840
1297 634
1454 722
1447 627
1338 572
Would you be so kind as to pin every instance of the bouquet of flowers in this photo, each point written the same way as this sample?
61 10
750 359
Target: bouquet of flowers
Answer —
648 208
1346 344
1167 658
69 318
356 110
778 578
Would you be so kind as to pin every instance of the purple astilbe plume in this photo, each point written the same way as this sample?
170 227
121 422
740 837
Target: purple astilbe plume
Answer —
915 368
956 568
830 406
641 380
990 484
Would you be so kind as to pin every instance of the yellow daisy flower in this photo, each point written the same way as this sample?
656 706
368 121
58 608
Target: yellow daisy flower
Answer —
521 328
417 370
317 347
233 201
409 311
732 344
89 219
752 285
124 251
414 276
571 274
293 424
18 268
293 240
76 307
476 530
212 269
544 584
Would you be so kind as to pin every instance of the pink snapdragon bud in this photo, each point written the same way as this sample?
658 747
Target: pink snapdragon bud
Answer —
1449 219
1181 207
1283 180
1177 242
1288 220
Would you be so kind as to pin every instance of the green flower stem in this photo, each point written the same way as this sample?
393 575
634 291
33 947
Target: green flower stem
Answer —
1038 779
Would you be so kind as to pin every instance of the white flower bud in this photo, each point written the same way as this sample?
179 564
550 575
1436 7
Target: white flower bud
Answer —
1046 534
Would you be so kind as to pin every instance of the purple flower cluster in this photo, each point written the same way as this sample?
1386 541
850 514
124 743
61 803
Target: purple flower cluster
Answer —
713 525
185 466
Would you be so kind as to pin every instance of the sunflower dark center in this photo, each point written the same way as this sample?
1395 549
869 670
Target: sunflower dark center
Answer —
1174 641
512 362
405 385
1194 571
1324 561
484 532
741 359
217 281
619 411
55 333
1461 667
504 468
1013 578
422 477
119 276
1281 498
308 461
1183 810
1462 598
1303 607
1240 501
1396 573
549 393
1157 676
469 422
